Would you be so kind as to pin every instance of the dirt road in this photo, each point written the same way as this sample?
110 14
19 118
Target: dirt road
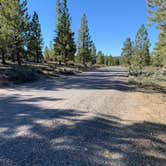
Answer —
91 119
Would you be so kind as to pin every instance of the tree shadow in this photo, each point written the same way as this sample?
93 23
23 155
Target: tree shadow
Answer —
101 79
31 135
115 79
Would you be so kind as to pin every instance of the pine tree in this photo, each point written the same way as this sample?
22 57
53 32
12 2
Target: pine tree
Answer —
127 51
106 60
64 42
84 42
111 60
7 10
157 14
35 42
49 53
141 49
93 53
100 58
46 54
21 27
161 47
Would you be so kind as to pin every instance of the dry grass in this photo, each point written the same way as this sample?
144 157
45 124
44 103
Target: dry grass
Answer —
150 77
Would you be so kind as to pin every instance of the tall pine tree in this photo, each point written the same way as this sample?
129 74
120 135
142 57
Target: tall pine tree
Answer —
84 42
141 49
7 11
64 42
100 59
93 53
127 51
35 39
21 28
157 14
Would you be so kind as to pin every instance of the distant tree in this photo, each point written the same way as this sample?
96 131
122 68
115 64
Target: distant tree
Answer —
49 53
106 60
93 53
127 51
116 61
111 61
84 42
100 58
141 49
64 41
46 54
35 42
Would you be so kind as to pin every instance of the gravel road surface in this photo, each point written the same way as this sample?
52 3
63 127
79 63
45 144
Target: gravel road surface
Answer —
91 119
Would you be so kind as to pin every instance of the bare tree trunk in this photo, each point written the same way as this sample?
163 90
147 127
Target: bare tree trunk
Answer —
3 57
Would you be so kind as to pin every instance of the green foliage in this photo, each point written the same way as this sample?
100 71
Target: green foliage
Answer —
141 50
22 74
127 52
14 27
84 42
49 54
106 60
136 54
93 53
110 61
64 42
100 59
151 77
157 14
157 60
35 39
7 15
21 28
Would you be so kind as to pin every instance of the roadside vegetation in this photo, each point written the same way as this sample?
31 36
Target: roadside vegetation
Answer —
24 59
151 77
148 69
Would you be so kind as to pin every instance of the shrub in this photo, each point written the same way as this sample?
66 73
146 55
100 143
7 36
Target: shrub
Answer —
22 74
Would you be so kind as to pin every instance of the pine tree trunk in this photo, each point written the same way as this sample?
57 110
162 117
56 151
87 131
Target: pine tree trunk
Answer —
83 60
3 58
37 57
18 58
13 56
60 62
65 60
65 57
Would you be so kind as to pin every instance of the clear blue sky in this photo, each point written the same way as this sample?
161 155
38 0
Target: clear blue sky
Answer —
110 21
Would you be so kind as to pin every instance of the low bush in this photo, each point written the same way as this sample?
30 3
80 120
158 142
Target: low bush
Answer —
148 77
22 74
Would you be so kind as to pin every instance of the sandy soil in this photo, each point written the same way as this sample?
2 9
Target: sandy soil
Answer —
91 119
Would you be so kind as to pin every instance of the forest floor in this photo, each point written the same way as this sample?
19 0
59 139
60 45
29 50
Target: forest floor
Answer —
89 119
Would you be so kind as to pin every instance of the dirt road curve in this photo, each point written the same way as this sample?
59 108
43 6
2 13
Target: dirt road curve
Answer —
92 119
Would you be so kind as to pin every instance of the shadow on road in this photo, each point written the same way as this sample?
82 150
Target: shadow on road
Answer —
115 78
30 135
